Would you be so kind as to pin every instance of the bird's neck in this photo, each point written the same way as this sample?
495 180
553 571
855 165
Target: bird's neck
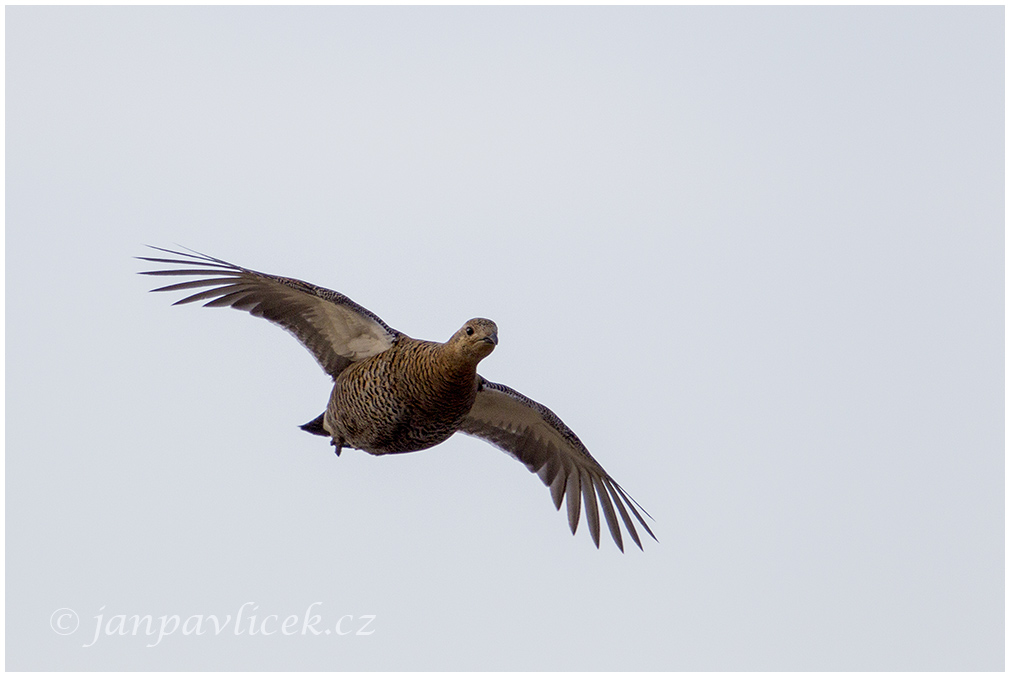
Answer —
458 370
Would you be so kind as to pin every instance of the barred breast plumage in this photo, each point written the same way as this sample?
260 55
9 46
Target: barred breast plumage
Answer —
394 394
409 397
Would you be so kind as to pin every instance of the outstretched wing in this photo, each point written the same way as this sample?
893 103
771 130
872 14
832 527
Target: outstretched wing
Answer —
533 434
335 329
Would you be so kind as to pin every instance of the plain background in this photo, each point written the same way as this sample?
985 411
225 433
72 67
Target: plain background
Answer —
753 257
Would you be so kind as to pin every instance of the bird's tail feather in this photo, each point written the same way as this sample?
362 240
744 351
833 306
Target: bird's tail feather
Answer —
315 426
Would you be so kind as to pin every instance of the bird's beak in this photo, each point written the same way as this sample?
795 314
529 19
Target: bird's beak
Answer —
492 339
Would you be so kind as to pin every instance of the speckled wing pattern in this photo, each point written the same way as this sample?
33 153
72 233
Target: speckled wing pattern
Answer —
533 434
335 329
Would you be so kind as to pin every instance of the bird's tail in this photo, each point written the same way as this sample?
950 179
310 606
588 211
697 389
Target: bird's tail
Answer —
315 426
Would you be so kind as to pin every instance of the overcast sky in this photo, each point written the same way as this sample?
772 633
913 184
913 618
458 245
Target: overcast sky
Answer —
753 257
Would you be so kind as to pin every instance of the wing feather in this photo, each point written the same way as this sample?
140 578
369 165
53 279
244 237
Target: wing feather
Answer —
533 434
608 512
192 284
572 499
592 514
558 489
335 329
207 294
624 514
631 504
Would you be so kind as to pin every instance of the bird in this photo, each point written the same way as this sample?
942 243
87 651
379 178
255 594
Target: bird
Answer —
394 394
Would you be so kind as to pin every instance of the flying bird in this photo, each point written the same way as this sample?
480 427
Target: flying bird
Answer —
394 394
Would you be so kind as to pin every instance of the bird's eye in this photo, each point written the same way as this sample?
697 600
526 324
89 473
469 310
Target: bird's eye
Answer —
469 331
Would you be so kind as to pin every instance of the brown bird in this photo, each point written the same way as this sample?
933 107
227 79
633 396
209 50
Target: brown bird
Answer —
393 394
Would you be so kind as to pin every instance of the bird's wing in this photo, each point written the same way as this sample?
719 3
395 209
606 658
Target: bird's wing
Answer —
335 329
533 434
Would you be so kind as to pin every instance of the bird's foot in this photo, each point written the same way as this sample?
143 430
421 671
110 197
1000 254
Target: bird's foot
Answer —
339 444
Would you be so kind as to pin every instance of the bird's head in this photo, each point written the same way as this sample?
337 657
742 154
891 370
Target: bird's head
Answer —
476 339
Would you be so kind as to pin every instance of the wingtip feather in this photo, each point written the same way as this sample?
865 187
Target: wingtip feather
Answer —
592 513
572 498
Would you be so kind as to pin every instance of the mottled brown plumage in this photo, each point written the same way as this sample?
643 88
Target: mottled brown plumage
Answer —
394 394
410 397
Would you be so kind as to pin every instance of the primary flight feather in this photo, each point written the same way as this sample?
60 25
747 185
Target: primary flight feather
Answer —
394 394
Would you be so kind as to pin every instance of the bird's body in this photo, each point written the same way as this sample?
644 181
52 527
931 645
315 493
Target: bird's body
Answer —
407 398
394 394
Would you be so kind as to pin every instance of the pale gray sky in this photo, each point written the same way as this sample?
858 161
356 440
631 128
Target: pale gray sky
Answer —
753 257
